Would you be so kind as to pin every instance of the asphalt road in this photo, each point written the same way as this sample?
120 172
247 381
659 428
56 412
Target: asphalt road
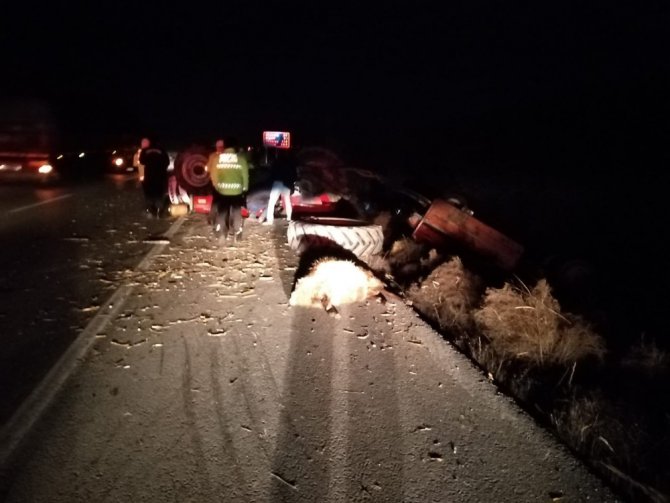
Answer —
197 382
64 251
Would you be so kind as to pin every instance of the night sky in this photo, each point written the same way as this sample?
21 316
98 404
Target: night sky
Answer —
519 82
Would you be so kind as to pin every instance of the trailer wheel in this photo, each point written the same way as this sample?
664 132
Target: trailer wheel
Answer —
190 168
359 237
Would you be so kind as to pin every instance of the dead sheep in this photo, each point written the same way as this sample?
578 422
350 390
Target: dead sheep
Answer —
332 282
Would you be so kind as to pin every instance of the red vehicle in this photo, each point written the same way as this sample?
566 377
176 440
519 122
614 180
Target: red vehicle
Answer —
323 204
28 166
192 176
27 136
317 205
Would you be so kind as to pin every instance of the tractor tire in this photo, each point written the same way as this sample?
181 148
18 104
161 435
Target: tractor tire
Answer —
359 237
190 168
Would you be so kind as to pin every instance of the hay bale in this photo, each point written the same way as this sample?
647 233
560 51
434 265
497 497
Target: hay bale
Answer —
448 296
528 324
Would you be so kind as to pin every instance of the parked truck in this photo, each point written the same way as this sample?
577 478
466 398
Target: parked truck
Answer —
28 137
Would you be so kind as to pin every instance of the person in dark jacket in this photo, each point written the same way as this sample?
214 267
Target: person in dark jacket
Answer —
283 173
219 147
155 183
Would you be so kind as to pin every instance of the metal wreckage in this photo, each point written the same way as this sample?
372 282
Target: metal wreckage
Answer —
337 204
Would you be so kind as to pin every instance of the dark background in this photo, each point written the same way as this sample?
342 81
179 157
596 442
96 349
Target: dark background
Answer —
557 112
528 85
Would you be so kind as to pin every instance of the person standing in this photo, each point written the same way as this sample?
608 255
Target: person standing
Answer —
136 158
212 160
229 172
283 173
155 181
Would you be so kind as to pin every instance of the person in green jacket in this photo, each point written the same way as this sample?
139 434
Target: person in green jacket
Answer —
229 172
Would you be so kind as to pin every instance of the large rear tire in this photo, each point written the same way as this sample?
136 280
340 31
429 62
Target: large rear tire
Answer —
359 237
190 168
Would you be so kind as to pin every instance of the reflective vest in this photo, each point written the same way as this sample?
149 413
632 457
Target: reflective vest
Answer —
229 172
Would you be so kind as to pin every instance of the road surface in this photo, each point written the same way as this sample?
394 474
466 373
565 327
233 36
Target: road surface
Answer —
64 251
197 382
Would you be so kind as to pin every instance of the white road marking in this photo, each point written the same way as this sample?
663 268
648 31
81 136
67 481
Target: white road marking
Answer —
35 205
339 411
32 408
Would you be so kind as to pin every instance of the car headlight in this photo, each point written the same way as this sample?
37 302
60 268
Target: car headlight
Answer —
118 161
45 169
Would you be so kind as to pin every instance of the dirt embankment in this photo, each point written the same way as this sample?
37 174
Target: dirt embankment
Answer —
561 364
